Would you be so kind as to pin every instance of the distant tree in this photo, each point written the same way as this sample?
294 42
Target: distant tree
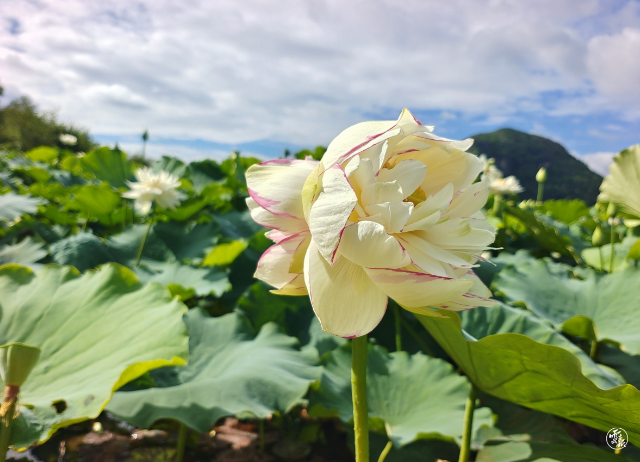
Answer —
23 128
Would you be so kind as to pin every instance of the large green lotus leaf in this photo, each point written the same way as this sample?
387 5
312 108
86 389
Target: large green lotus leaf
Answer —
24 253
203 281
170 165
611 302
82 250
628 366
229 372
98 200
94 333
622 185
600 257
110 165
417 397
186 210
566 211
543 377
203 173
42 154
14 205
543 452
501 319
238 225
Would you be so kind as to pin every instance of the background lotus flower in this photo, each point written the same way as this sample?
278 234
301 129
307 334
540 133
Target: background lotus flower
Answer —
68 139
505 186
160 187
391 210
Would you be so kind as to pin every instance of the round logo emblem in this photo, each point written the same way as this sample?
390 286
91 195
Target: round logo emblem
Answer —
617 438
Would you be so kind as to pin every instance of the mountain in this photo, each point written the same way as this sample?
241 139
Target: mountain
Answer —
520 154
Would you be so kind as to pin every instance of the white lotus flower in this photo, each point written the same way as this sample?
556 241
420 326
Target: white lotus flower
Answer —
505 186
160 187
68 139
390 211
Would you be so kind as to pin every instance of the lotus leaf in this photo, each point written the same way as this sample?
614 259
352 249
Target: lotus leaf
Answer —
622 185
93 331
229 372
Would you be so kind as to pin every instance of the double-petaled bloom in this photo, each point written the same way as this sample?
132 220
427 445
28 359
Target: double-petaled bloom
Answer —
391 210
159 187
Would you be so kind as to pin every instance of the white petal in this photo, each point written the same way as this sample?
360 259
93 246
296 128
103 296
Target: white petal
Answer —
356 139
347 303
273 266
409 174
394 216
437 202
456 234
424 223
423 261
330 212
477 295
368 244
434 251
415 290
276 185
379 193
469 201
295 287
271 220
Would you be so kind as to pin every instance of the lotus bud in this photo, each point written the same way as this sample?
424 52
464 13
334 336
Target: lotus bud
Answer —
598 239
611 210
16 362
541 176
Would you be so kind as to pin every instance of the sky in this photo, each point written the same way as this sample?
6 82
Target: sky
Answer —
260 76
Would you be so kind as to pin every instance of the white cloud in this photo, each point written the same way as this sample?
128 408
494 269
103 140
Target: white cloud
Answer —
302 70
599 161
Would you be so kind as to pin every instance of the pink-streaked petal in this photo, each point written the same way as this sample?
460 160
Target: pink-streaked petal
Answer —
331 210
347 303
287 225
295 287
368 244
273 266
414 290
276 185
470 201
409 174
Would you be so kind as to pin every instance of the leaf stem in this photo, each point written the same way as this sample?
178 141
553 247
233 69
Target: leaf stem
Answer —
385 451
182 442
359 394
601 259
612 252
497 198
594 349
144 239
465 449
396 315
86 221
261 434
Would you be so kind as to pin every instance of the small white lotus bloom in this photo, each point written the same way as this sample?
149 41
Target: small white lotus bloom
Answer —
68 139
391 210
160 187
505 186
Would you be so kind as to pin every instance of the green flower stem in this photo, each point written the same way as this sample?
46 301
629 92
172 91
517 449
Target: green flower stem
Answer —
496 203
359 394
385 451
540 191
144 239
601 259
396 315
612 252
594 349
182 442
465 449
86 221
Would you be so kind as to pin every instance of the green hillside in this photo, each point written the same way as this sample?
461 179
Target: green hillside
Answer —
520 154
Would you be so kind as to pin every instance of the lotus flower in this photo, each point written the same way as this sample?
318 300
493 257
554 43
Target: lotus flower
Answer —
68 139
160 187
391 210
505 186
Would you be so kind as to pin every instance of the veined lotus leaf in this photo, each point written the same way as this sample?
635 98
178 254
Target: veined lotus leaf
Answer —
203 281
97 200
170 165
566 211
543 377
417 397
14 205
229 372
97 331
500 319
110 165
42 154
24 253
543 452
622 185
610 301
600 257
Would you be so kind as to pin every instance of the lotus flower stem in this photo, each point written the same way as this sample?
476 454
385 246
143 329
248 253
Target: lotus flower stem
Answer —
261 434
86 221
594 349
144 239
465 449
540 191
182 441
398 319
385 451
601 259
359 394
496 203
